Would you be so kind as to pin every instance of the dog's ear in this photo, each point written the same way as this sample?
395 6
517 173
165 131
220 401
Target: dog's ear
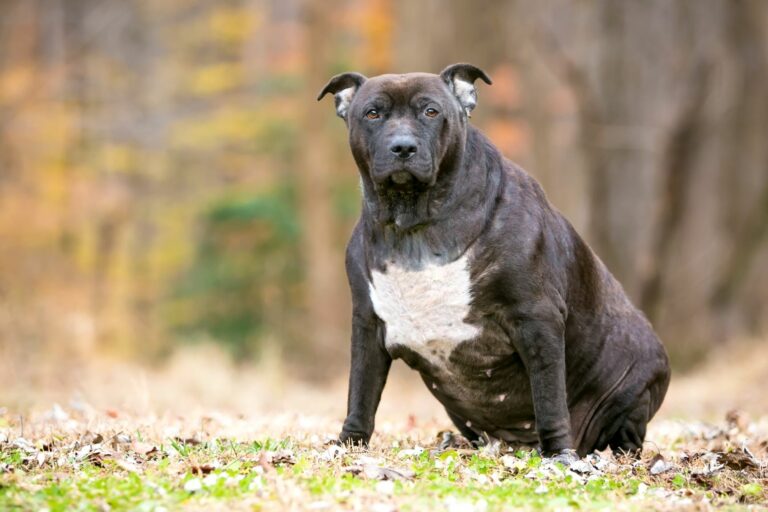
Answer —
461 80
343 87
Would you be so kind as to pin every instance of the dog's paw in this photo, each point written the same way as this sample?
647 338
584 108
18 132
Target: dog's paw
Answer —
354 439
565 457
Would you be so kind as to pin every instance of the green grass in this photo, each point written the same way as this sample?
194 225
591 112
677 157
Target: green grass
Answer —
65 472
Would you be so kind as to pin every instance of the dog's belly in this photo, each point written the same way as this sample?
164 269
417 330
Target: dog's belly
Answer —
470 368
425 310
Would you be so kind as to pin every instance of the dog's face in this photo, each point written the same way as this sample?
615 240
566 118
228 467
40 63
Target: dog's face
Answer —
402 127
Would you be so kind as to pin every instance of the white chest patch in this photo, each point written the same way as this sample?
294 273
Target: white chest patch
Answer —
425 309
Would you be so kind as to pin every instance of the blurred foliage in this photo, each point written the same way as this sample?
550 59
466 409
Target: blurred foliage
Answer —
166 174
245 275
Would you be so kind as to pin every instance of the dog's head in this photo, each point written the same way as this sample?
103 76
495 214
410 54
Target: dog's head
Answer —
402 127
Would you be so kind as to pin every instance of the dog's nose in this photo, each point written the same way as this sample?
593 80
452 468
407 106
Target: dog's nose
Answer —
403 146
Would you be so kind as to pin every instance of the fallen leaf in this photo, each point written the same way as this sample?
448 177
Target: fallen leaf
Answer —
119 439
93 438
658 465
187 440
582 467
24 445
203 469
332 452
738 460
143 448
412 452
374 472
127 465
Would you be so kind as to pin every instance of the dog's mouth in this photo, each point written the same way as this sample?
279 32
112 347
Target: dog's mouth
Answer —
404 175
401 177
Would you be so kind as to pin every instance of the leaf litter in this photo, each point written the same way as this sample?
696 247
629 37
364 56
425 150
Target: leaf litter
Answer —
271 464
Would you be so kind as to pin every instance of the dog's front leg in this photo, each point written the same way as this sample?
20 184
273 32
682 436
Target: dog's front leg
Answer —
542 347
367 376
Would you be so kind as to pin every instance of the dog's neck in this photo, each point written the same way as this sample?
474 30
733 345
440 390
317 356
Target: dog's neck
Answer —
436 224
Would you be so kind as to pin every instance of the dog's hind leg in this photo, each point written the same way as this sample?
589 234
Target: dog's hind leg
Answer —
630 434
625 431
461 424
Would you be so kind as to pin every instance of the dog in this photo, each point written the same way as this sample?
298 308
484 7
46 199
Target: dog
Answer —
461 267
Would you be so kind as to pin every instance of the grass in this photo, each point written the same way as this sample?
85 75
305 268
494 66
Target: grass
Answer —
64 460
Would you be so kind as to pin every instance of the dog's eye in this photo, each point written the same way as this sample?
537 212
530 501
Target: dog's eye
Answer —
430 112
372 114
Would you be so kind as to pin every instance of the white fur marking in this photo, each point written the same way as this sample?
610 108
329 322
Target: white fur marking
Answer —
502 397
465 91
489 372
425 309
343 100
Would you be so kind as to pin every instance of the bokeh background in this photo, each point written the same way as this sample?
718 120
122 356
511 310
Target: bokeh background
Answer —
174 204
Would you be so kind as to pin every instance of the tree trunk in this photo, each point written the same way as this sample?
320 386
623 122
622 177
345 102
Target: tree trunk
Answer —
323 264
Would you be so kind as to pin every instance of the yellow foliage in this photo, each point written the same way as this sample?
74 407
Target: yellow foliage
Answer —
216 78
225 125
174 250
118 157
233 25
58 126
55 187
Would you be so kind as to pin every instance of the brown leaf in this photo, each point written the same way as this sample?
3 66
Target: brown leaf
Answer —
702 480
47 445
97 458
203 469
143 448
450 440
283 458
187 440
91 438
152 454
738 460
119 439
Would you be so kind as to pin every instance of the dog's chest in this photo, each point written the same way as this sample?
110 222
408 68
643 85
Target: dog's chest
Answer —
425 310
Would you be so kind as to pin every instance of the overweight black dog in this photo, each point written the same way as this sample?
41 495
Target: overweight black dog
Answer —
461 267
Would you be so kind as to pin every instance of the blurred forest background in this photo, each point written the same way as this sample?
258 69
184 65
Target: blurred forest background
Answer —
166 176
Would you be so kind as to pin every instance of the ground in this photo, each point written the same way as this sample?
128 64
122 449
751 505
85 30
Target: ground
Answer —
160 449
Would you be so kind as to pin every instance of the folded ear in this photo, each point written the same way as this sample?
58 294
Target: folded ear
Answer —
461 80
343 87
